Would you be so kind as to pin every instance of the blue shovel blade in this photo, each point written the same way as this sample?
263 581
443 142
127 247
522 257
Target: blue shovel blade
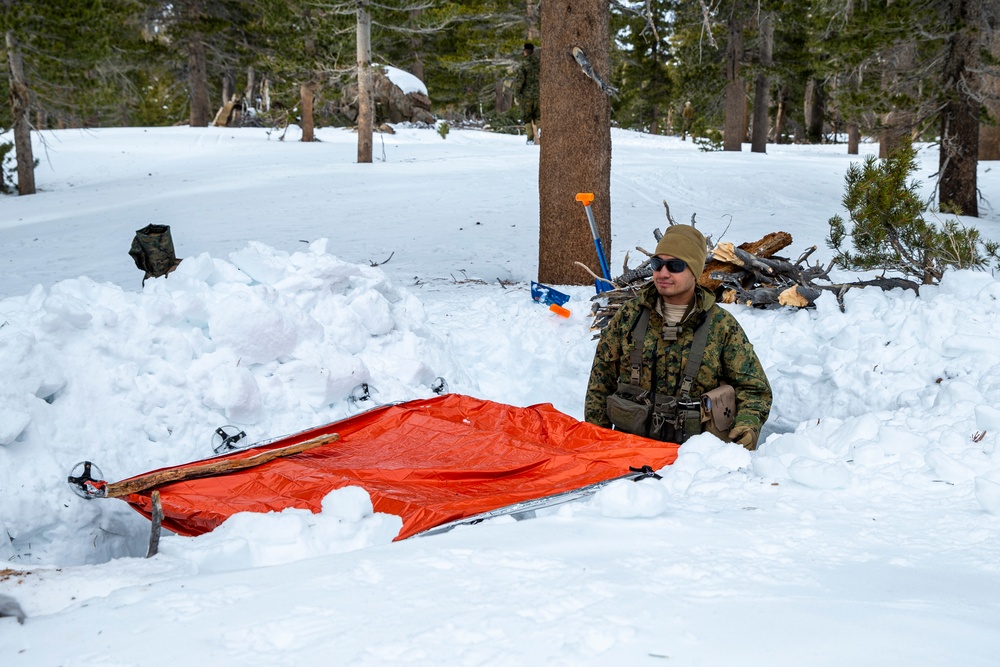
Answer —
547 295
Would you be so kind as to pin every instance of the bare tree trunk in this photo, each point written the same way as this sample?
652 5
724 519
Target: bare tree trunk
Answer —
762 93
200 113
734 129
228 87
248 92
576 154
815 111
781 117
898 124
416 46
19 101
989 135
853 138
532 17
960 116
366 92
307 92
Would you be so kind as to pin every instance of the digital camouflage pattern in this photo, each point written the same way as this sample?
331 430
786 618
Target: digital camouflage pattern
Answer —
153 251
729 358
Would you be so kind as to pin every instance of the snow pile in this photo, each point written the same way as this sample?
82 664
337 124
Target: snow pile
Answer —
270 342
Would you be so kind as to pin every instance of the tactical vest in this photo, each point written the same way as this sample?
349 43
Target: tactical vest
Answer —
659 416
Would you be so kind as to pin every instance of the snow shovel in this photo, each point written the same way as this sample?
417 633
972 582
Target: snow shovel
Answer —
547 295
600 285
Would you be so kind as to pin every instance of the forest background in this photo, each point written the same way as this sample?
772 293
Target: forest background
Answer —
826 66
756 71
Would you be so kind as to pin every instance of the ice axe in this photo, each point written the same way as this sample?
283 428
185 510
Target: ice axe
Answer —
605 285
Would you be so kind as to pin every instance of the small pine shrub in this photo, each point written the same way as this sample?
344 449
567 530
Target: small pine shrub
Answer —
443 128
887 226
707 140
7 168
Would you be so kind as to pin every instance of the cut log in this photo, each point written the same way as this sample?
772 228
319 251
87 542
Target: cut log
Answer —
765 247
798 296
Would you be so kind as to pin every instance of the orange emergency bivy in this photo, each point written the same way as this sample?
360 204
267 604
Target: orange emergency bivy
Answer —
431 462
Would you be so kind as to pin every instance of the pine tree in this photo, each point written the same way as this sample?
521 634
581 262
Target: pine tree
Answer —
888 229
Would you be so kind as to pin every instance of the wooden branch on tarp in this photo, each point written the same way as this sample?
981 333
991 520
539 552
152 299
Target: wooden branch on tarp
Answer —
219 467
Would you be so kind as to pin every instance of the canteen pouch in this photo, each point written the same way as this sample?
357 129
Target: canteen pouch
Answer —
718 410
629 410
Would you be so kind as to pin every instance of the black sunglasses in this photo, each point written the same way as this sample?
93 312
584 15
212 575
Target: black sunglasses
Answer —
673 265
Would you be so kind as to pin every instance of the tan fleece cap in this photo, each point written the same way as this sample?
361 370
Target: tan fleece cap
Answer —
687 243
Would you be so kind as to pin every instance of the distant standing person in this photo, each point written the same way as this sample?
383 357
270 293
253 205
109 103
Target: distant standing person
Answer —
688 115
527 88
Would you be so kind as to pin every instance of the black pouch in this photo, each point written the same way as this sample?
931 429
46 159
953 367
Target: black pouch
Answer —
629 410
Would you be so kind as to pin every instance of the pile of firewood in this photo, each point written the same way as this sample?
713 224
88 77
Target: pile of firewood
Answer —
751 274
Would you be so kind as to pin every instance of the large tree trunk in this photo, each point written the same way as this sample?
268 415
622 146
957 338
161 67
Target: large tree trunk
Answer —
19 103
960 116
307 91
762 92
200 112
366 92
576 153
734 129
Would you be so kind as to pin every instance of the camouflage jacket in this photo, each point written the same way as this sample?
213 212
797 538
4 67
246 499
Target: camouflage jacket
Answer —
527 86
729 358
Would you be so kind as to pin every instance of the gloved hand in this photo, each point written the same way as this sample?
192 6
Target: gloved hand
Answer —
744 434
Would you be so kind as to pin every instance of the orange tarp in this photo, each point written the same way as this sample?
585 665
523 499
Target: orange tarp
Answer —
430 462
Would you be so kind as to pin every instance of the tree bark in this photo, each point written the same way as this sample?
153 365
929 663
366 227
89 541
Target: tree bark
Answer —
576 154
989 134
532 17
899 123
815 111
307 91
366 92
853 138
762 92
200 113
19 102
958 159
416 45
734 129
781 117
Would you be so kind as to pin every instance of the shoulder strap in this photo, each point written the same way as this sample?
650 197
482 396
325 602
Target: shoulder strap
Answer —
638 338
694 358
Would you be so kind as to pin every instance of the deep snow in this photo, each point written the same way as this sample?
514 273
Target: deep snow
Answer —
863 531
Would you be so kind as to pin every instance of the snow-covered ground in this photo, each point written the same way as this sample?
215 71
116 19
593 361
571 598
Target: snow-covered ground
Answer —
864 531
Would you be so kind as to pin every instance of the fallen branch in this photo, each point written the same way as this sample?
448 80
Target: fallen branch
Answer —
220 467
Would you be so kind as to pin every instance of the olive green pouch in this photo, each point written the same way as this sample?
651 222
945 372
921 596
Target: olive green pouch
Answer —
629 410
